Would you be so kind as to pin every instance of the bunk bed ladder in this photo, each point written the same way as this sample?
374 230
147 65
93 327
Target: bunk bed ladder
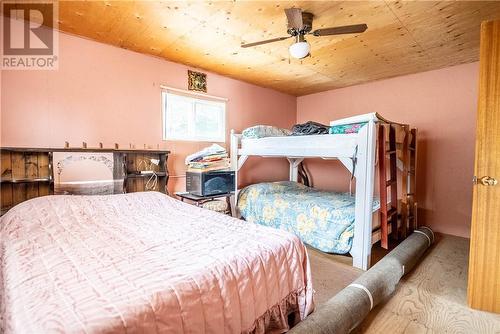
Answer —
412 182
405 178
388 211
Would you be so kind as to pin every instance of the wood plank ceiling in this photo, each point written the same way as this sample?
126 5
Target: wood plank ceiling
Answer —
402 37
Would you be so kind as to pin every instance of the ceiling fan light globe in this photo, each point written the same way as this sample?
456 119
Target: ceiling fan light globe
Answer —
299 50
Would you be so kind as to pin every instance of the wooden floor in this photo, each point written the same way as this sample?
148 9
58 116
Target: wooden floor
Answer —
430 299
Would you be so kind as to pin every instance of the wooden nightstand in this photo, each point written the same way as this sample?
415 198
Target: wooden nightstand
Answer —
200 200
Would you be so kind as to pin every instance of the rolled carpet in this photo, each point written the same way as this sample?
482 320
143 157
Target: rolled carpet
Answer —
343 312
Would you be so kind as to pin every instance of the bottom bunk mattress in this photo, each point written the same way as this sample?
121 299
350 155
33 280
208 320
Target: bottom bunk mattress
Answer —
146 263
324 220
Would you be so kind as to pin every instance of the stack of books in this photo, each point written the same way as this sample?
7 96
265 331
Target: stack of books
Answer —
209 165
209 159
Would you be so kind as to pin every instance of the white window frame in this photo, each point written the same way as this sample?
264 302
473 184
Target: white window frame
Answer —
198 98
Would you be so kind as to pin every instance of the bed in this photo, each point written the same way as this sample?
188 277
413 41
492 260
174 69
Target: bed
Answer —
324 220
144 262
359 142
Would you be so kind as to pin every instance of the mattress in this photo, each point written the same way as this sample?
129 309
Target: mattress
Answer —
145 263
324 220
335 145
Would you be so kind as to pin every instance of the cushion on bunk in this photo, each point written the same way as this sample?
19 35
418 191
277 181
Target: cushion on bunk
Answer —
262 131
324 220
346 128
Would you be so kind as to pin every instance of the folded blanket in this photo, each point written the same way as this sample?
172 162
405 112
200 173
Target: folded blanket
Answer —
310 128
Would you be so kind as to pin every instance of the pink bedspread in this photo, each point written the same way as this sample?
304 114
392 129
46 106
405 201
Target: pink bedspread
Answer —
145 263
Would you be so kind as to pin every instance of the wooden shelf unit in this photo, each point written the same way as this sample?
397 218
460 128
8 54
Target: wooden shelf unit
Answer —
27 173
24 175
137 162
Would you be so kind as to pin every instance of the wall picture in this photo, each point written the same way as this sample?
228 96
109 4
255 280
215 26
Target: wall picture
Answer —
197 81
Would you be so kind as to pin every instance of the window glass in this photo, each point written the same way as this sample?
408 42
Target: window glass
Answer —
193 118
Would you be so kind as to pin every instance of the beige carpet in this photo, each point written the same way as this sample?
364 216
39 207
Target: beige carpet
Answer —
330 274
430 299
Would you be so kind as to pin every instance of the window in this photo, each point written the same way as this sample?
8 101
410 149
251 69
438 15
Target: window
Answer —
193 118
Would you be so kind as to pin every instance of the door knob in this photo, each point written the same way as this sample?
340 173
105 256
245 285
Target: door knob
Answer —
488 181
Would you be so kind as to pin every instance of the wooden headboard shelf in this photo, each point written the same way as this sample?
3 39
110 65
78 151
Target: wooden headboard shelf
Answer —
27 172
81 149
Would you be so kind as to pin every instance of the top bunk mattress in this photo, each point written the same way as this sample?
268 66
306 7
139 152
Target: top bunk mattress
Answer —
327 145
324 220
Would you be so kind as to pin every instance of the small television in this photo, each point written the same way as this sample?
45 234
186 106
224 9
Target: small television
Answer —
210 183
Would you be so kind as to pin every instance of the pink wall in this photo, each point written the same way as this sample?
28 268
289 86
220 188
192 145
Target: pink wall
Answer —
106 94
442 105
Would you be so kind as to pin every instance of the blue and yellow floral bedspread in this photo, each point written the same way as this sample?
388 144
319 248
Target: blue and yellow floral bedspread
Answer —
324 220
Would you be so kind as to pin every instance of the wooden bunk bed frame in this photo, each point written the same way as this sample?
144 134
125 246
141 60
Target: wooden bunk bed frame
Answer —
396 215
358 152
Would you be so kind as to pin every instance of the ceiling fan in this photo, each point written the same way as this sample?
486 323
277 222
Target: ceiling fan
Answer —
299 25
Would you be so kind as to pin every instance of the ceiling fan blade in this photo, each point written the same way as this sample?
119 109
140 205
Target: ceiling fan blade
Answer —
352 29
264 42
294 18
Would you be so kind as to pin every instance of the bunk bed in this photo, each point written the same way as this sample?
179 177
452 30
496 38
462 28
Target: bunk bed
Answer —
364 154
